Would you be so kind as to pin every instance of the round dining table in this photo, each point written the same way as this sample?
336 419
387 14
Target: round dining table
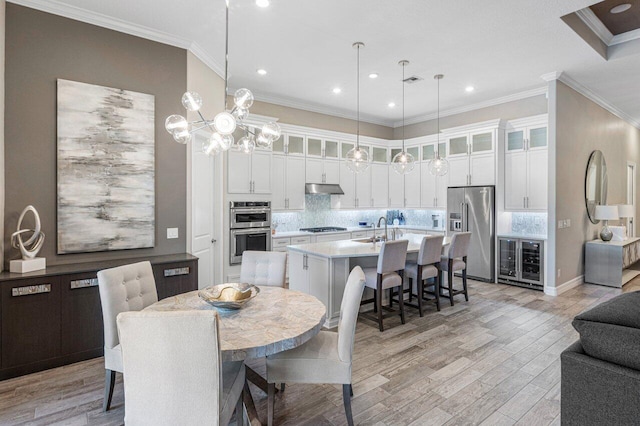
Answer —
276 320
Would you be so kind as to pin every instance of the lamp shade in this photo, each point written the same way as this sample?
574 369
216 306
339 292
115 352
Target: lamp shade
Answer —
607 213
625 210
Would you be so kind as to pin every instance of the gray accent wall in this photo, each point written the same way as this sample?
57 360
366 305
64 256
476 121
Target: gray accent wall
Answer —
521 108
2 31
41 48
582 126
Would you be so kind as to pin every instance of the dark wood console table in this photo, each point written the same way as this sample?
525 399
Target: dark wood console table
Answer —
53 317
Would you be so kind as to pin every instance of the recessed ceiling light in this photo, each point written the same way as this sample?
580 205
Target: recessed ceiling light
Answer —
337 90
373 75
262 3
262 71
620 8
469 89
391 104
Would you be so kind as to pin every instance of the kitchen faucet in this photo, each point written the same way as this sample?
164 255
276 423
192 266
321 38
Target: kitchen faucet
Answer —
385 227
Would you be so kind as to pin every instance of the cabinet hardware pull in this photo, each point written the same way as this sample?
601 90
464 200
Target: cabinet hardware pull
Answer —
176 271
89 282
372 202
31 289
524 202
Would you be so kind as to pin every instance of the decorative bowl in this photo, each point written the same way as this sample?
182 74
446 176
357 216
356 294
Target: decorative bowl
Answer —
229 295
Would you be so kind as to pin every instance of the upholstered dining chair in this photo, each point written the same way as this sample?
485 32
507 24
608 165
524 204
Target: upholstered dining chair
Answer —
455 260
122 289
427 266
173 374
387 276
327 357
263 268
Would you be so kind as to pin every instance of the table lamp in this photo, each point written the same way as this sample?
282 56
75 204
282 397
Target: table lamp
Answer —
606 213
626 211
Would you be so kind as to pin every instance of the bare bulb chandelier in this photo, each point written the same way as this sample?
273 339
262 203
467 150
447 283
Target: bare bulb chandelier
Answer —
403 162
358 158
225 123
438 166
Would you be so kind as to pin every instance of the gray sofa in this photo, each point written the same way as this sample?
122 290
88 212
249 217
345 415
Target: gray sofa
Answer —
600 382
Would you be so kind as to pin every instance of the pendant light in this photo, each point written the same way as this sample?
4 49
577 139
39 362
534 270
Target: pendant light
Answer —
225 123
438 166
403 162
358 158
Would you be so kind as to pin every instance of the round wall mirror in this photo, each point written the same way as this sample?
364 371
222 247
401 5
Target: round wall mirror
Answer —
595 184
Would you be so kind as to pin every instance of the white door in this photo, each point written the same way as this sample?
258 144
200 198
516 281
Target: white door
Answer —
482 169
380 185
537 180
298 277
331 172
295 183
396 189
458 171
278 175
515 180
363 188
202 196
315 170
412 187
261 172
238 172
348 185
427 187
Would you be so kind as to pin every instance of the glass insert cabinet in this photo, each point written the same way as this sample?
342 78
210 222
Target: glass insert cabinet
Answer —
521 262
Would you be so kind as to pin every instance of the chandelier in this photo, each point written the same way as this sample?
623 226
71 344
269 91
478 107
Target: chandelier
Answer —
358 158
225 123
403 162
438 166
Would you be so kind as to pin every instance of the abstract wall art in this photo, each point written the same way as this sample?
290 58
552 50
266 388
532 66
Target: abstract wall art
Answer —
106 185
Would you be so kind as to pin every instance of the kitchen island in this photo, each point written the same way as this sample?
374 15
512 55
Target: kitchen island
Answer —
322 269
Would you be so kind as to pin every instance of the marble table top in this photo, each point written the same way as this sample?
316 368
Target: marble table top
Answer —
352 248
276 320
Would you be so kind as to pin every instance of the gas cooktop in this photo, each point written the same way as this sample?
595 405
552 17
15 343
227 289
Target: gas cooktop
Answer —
323 229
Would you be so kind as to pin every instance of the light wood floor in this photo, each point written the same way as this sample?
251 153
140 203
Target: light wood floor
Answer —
491 361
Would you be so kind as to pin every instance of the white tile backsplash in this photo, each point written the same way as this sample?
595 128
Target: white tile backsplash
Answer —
318 212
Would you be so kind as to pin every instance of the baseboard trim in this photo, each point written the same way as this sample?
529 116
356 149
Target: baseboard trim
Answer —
556 291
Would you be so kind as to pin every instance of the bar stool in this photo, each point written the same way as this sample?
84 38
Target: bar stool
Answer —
454 261
387 276
427 266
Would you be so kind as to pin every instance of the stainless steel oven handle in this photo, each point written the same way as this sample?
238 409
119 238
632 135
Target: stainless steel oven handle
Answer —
250 231
248 210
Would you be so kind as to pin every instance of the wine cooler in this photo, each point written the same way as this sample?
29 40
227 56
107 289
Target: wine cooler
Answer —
521 262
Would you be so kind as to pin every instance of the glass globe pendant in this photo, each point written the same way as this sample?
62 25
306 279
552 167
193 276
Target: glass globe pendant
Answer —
438 166
403 162
357 158
246 144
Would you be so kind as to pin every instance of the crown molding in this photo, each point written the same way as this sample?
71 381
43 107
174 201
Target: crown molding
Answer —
591 20
207 59
551 76
625 37
491 102
589 94
311 107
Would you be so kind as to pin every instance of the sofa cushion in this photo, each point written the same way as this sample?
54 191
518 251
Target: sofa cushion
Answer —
611 330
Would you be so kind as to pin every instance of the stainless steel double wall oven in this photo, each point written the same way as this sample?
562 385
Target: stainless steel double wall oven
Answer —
250 223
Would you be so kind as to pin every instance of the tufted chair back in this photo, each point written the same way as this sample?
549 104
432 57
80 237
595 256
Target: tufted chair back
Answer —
393 255
430 250
123 289
263 268
459 245
349 313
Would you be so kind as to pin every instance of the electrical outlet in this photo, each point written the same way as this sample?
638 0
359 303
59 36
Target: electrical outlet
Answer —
560 224
172 233
567 223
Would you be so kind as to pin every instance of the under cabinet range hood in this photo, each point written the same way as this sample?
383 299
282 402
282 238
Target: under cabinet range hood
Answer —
323 188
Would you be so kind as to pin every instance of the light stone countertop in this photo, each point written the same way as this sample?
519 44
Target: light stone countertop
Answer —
276 320
288 234
351 248
523 236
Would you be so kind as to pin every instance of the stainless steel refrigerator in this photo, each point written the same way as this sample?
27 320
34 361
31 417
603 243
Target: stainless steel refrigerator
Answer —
472 209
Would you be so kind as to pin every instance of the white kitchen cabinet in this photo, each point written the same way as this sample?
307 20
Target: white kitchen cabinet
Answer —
379 185
289 144
526 165
322 171
433 189
338 236
396 189
412 186
472 158
288 174
332 171
348 185
249 173
322 148
358 234
280 243
310 274
363 188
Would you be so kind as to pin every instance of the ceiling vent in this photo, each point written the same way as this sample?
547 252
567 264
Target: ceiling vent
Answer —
412 79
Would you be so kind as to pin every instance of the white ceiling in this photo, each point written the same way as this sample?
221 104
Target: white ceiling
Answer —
501 47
